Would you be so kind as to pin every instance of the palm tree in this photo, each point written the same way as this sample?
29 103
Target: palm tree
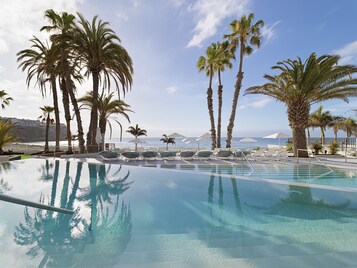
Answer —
40 61
6 136
136 132
322 120
222 61
99 50
4 99
335 125
207 64
106 107
301 84
46 117
348 125
63 26
244 34
166 139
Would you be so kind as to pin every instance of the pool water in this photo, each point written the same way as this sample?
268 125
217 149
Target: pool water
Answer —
143 217
302 173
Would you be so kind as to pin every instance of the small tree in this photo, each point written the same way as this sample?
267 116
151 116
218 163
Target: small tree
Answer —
166 139
6 127
333 146
317 147
136 132
46 117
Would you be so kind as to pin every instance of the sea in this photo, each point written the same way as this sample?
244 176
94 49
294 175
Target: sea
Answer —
190 143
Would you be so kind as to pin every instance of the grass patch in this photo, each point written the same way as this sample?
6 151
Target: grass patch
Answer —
25 156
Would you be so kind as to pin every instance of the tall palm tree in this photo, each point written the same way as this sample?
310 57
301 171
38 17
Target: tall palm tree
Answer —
106 108
348 125
40 61
207 64
46 117
62 27
222 62
301 84
136 132
335 125
244 34
166 139
99 50
321 119
6 136
4 99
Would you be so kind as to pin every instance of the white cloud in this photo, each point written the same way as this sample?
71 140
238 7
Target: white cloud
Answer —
20 20
210 13
171 90
177 3
348 53
256 104
268 32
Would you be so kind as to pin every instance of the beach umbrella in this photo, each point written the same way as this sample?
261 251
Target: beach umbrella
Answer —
277 135
176 136
248 140
205 136
136 141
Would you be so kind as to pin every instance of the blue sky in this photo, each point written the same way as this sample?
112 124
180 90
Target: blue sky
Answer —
165 39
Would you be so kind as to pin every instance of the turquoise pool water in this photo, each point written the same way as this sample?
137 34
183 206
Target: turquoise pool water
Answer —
143 217
303 173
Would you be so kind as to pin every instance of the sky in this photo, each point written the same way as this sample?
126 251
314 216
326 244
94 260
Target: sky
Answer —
165 38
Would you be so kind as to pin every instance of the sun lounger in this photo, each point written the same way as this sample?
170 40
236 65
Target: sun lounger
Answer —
224 154
204 155
109 155
149 155
187 155
168 155
130 156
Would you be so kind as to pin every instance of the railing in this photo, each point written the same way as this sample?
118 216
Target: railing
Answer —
246 159
319 160
23 202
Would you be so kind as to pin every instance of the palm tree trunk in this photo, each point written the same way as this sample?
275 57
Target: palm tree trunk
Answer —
78 118
102 127
308 135
322 136
299 141
219 120
56 111
48 120
67 115
237 88
92 132
210 111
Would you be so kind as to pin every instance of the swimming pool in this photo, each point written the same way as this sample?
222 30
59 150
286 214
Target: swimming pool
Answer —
143 217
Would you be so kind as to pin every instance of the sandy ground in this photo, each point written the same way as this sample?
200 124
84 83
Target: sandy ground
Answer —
24 148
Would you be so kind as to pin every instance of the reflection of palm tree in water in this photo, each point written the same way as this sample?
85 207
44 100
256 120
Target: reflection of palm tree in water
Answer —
221 192
4 167
61 236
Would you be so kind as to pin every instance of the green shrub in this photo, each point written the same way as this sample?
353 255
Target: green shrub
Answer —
333 146
317 147
289 147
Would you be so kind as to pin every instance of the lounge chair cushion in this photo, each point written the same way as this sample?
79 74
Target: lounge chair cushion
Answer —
109 154
130 155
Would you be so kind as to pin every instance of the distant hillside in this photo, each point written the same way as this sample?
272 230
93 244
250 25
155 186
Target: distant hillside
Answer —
34 130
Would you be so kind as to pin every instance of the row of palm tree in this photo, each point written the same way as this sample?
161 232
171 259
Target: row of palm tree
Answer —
6 127
324 119
244 35
300 84
76 49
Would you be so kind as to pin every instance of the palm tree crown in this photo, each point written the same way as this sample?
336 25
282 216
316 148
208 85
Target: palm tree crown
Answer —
244 34
301 84
137 131
166 139
4 99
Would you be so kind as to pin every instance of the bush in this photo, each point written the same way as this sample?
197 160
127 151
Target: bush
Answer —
333 146
317 147
289 147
